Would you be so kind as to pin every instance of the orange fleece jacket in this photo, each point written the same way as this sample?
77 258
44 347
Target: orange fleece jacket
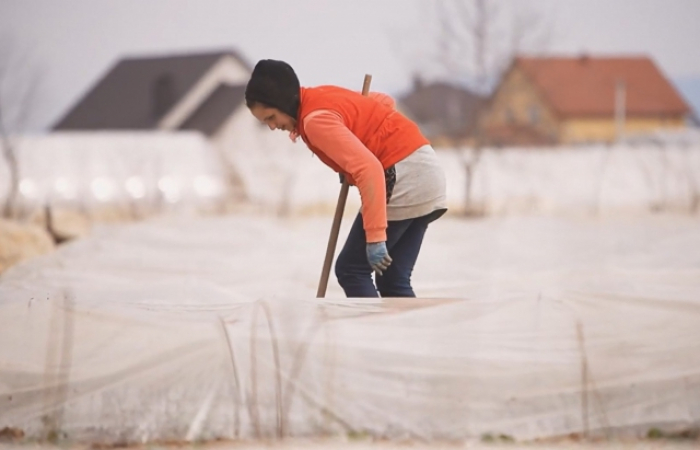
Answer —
359 137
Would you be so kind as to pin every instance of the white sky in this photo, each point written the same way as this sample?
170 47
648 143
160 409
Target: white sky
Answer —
327 41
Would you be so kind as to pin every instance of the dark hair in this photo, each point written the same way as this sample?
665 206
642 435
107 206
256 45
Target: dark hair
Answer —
250 103
274 84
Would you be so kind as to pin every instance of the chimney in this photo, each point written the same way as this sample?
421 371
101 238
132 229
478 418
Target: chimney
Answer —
163 95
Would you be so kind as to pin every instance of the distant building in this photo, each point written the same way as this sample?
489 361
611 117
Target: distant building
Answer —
553 100
200 91
195 91
445 113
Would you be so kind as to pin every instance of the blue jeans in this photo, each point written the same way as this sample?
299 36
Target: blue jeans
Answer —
404 239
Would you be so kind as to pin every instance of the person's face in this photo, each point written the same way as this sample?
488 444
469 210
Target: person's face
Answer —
273 117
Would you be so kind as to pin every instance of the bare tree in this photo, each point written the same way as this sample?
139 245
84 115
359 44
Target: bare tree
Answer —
19 81
473 43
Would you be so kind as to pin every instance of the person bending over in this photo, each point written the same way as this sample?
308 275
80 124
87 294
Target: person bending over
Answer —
375 148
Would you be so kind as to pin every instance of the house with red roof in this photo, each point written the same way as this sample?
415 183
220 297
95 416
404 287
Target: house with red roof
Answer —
556 100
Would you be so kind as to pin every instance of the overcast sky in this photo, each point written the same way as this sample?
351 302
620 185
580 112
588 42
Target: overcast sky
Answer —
74 42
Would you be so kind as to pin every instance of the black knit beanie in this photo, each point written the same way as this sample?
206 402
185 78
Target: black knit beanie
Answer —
274 83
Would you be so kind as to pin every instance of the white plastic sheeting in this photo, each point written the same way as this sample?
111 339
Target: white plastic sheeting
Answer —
178 171
587 179
183 170
207 328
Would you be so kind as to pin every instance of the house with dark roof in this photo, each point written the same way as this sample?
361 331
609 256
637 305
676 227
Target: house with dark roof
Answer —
445 113
556 100
197 91
192 91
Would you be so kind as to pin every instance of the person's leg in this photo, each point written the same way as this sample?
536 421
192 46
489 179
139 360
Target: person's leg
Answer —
404 246
351 268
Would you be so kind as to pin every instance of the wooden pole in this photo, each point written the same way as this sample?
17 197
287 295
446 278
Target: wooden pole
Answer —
620 94
337 219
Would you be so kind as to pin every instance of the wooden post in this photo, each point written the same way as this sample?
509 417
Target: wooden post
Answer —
620 113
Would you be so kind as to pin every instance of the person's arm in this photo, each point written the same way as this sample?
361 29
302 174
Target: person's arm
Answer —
326 131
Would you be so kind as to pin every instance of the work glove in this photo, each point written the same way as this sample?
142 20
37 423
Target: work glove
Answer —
378 257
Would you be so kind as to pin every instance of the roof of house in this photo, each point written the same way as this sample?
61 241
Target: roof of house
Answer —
442 109
136 93
586 85
213 111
